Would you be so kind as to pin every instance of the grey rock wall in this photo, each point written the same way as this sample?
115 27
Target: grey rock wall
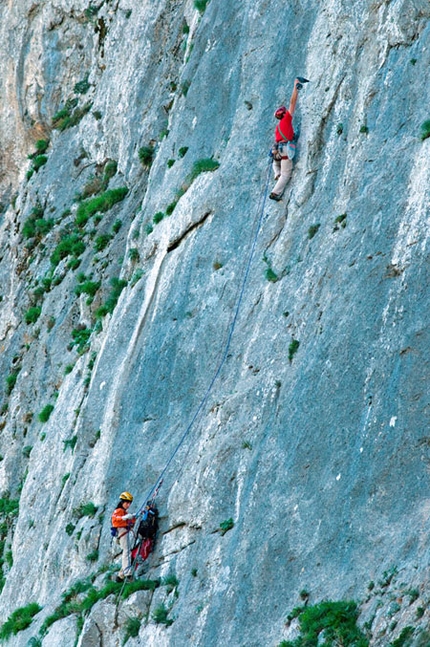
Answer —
320 459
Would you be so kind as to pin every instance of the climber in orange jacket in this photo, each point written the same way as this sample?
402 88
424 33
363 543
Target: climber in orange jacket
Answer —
123 521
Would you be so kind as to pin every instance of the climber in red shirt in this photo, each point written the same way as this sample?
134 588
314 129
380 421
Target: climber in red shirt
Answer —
284 134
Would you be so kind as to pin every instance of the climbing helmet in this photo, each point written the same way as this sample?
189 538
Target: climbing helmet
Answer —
126 496
280 112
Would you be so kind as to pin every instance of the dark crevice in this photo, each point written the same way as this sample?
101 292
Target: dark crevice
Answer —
174 244
181 524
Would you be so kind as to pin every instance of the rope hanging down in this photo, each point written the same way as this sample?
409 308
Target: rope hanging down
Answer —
154 490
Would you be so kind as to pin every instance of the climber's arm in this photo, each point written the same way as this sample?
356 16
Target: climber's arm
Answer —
294 96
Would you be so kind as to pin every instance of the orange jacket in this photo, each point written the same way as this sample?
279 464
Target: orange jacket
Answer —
118 521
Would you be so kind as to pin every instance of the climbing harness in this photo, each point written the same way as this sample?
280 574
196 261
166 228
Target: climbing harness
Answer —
155 489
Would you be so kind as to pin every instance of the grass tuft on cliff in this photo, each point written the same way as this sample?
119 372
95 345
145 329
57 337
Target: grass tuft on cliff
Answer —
425 130
333 622
99 204
74 602
19 620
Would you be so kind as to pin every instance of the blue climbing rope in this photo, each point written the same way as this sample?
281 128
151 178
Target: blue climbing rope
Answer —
263 197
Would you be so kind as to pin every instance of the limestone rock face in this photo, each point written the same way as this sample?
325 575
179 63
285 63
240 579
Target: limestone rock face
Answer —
268 360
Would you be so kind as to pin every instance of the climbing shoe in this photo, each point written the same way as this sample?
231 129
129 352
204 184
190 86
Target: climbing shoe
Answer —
119 579
275 196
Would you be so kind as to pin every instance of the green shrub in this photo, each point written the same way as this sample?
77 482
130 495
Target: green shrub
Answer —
110 170
170 163
39 161
36 227
26 451
82 87
9 507
203 166
68 369
271 275
101 242
117 286
61 118
171 582
19 620
158 217
340 220
404 638
413 594
146 155
293 348
11 380
339 129
185 86
70 528
132 628
50 323
149 229
226 525
171 207
364 129
388 576
200 5
70 443
32 314
70 245
87 287
80 337
425 130
160 616
136 276
313 229
34 642
93 556
42 146
133 254
70 115
101 203
85 510
116 226
91 11
338 621
73 604
73 264
304 594
45 413
182 151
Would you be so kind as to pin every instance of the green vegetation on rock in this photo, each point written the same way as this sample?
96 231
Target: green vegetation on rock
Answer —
99 204
45 413
19 620
328 624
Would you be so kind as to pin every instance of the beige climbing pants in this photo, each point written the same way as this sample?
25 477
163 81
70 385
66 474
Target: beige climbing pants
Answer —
125 540
282 169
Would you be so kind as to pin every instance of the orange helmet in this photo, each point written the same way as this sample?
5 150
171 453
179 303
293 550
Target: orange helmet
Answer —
280 112
126 496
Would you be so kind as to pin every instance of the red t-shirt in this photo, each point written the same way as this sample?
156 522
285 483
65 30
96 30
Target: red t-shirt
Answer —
284 130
